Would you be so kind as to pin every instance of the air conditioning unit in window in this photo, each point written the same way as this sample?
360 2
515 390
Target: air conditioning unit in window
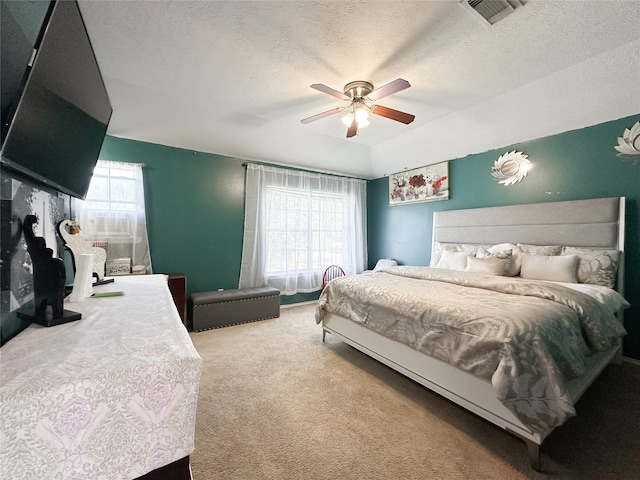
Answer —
491 11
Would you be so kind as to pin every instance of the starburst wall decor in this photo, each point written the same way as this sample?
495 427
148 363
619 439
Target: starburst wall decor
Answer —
629 144
510 168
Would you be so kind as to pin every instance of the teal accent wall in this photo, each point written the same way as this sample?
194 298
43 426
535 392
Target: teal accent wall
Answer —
570 166
195 205
195 212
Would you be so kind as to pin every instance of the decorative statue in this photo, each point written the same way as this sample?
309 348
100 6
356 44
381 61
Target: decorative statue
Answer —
49 277
70 232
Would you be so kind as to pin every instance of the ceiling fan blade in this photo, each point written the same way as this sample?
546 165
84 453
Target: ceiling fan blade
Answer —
329 91
396 115
318 116
353 129
391 87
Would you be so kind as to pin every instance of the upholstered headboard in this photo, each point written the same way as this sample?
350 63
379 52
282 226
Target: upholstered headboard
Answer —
597 223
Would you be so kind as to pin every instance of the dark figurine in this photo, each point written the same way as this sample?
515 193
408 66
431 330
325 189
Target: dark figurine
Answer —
48 281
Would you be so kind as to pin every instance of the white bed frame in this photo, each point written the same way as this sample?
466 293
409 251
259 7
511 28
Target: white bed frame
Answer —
597 223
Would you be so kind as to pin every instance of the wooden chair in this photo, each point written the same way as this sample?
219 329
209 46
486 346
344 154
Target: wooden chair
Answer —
334 271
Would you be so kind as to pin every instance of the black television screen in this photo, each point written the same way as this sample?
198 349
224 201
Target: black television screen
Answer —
55 131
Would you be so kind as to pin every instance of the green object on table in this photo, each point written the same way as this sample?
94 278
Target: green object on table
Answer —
107 294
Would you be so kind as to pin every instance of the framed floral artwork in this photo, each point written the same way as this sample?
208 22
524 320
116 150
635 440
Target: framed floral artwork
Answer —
424 184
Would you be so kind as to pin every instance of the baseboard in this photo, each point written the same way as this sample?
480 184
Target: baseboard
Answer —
298 304
631 360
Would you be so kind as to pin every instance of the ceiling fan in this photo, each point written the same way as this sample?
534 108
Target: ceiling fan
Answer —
357 93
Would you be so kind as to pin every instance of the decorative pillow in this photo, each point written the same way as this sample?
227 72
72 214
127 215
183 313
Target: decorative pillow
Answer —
546 250
453 260
438 248
384 263
492 265
470 248
506 256
562 268
436 252
596 266
516 260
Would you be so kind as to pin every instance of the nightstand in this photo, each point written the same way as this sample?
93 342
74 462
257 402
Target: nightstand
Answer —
178 287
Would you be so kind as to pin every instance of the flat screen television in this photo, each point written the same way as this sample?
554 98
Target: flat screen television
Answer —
54 126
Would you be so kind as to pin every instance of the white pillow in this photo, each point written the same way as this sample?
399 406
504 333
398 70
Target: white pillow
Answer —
438 248
453 260
553 268
491 265
384 263
436 252
516 257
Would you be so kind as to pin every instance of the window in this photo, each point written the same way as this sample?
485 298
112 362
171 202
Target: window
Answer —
297 224
305 230
112 200
113 214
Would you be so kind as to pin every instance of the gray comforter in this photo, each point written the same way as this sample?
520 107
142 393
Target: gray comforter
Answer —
528 337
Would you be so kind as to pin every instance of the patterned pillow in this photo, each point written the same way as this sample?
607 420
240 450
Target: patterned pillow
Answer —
596 266
547 250
439 247
516 261
492 264
436 252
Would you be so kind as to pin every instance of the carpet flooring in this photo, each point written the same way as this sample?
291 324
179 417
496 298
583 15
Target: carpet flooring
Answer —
276 402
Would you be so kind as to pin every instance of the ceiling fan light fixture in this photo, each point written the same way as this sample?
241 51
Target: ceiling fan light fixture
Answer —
358 93
347 119
361 115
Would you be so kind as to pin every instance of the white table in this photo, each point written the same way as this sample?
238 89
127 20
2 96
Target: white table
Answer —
111 396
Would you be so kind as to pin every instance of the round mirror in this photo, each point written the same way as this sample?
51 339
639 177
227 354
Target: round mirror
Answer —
510 168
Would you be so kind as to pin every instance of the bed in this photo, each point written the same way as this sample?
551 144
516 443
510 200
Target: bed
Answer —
518 350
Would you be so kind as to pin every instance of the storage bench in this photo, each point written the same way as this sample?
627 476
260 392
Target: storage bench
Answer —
232 307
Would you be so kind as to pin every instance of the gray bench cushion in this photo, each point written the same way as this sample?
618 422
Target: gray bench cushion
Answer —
231 307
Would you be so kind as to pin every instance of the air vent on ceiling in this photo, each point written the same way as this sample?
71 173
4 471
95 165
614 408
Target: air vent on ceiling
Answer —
491 11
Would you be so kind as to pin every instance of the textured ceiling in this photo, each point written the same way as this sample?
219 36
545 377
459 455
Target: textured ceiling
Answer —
232 77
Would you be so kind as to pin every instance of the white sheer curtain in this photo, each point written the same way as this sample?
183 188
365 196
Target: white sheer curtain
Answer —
114 212
298 223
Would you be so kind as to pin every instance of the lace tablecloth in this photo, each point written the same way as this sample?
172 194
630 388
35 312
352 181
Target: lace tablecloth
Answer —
111 396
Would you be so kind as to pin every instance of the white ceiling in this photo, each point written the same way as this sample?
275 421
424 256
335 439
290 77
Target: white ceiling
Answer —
232 77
